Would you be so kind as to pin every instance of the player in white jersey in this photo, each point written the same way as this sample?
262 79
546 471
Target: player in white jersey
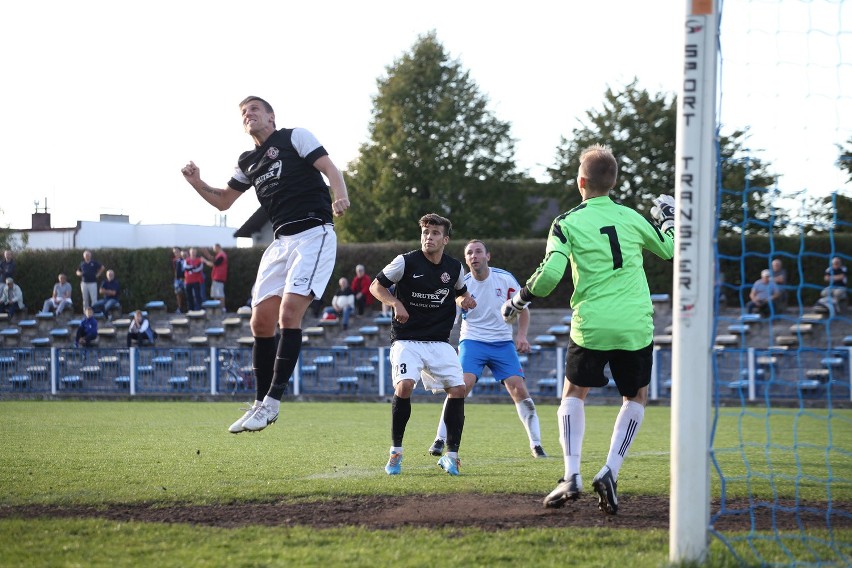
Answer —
487 340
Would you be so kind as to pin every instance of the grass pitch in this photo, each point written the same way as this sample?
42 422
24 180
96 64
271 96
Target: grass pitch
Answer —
101 453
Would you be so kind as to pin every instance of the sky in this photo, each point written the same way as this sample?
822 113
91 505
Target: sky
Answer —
103 102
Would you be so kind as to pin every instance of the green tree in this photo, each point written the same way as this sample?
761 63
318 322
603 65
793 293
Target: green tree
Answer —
749 197
830 213
844 161
434 147
641 127
9 241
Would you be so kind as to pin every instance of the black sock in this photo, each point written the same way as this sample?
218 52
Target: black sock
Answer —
454 419
262 361
400 413
289 348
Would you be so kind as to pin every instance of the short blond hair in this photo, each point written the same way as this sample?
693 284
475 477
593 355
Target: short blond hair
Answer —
599 167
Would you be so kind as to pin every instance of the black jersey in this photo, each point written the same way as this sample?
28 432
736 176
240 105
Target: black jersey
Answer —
428 291
290 189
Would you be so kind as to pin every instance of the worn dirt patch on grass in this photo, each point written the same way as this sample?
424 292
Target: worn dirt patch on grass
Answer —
488 512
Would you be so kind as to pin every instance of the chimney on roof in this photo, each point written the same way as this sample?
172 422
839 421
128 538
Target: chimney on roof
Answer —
41 220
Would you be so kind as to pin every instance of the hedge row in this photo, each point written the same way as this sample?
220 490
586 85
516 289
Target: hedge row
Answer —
146 274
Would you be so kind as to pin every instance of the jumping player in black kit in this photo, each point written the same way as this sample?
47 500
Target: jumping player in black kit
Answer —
429 285
285 169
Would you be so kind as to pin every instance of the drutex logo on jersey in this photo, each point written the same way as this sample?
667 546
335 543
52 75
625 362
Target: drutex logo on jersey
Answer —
429 300
274 171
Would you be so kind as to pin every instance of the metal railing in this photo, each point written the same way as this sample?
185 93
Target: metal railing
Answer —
748 374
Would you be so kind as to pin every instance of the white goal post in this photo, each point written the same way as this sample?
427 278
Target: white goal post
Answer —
694 281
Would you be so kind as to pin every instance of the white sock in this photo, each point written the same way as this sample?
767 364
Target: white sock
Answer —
572 427
623 433
441 434
396 450
271 403
257 403
453 455
529 418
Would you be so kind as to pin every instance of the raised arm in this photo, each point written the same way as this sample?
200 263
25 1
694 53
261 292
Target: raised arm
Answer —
221 199
340 197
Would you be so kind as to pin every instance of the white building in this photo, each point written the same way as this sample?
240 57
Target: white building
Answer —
115 231
257 228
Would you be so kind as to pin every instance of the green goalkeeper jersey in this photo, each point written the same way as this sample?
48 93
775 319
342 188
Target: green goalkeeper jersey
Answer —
611 301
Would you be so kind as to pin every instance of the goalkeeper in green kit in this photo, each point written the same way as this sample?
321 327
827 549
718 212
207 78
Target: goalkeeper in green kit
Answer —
612 318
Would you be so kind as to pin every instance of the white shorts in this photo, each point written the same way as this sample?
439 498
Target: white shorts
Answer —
435 363
296 264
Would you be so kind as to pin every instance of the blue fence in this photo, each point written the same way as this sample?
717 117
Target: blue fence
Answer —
747 374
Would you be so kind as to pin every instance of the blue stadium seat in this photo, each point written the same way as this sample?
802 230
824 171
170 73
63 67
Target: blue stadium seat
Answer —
547 386
19 382
487 385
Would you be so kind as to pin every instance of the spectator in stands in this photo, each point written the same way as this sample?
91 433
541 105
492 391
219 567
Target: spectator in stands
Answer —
7 266
361 287
87 333
140 330
779 275
764 294
343 301
110 290
219 272
834 295
193 277
11 298
180 288
203 288
61 297
89 272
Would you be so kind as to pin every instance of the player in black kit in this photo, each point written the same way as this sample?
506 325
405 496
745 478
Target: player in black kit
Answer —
285 168
428 286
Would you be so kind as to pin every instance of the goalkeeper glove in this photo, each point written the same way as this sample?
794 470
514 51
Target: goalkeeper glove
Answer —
513 307
663 212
